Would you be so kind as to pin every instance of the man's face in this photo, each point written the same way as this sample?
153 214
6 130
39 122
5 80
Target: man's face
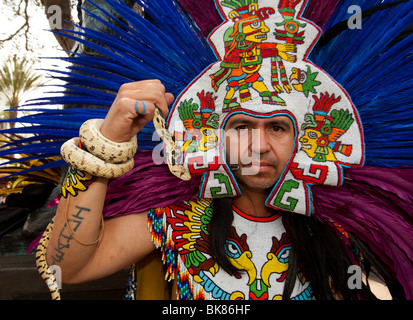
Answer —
261 147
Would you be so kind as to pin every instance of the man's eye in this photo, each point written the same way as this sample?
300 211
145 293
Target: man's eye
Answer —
241 128
276 128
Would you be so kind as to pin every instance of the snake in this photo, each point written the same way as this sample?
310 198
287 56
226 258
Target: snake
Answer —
108 159
42 267
173 151
98 155
85 161
115 159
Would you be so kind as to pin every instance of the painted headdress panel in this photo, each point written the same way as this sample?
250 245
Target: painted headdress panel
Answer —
262 48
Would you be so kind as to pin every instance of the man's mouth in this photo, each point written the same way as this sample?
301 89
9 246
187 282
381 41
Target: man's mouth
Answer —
258 164
256 167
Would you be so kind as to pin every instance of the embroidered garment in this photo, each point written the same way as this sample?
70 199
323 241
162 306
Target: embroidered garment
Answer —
258 247
374 203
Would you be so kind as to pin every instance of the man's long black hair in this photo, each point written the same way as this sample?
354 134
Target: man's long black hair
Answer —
316 251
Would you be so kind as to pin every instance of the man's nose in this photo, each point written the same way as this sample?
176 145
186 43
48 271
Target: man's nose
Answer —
259 141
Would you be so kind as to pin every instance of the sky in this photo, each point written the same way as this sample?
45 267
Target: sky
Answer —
43 42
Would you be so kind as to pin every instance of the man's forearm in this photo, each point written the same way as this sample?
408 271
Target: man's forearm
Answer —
77 228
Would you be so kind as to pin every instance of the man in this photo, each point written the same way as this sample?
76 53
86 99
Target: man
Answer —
82 263
125 240
248 234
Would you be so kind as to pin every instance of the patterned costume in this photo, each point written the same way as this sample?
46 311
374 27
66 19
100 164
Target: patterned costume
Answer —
256 62
262 261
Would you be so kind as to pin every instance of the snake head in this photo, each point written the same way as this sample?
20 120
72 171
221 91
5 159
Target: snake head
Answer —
174 151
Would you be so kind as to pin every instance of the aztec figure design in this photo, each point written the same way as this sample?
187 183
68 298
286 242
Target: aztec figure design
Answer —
304 81
200 125
189 234
322 130
264 44
244 51
290 33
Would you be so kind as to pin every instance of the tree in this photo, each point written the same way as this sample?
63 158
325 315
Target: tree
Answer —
57 12
17 78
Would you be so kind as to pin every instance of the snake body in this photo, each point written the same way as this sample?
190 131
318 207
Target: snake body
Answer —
85 161
97 144
43 268
101 157
108 159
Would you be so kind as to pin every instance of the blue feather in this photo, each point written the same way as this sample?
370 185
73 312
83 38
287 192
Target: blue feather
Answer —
29 158
27 140
376 72
50 165
42 130
87 80
46 147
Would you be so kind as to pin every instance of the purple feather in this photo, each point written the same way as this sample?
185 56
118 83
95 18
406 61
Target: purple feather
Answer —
320 11
146 186
204 13
207 17
377 205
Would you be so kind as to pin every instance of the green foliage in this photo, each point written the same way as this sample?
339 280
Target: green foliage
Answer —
17 78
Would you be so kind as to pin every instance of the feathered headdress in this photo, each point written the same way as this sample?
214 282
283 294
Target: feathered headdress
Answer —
372 63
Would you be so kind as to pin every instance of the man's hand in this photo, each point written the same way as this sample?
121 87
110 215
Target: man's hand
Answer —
122 121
